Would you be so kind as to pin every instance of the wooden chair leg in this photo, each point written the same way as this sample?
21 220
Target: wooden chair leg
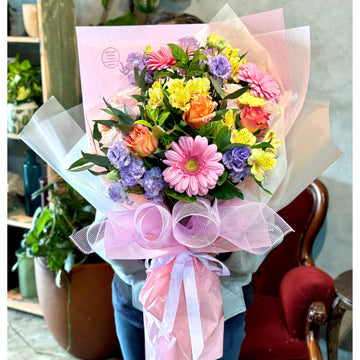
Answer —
317 316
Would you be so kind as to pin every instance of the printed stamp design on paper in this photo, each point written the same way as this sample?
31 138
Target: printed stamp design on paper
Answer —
110 57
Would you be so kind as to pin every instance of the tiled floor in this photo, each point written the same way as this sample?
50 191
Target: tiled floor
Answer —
30 339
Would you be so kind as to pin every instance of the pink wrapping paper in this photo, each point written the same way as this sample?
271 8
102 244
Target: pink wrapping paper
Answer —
165 342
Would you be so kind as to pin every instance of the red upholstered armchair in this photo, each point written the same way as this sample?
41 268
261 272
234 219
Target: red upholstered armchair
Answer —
292 296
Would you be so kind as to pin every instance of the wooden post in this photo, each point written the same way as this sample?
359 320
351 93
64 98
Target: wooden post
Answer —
58 55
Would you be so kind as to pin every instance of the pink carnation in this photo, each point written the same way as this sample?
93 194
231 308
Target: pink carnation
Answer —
124 99
260 85
161 59
193 165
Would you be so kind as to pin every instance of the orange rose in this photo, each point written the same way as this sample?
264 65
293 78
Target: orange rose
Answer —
141 141
200 112
254 119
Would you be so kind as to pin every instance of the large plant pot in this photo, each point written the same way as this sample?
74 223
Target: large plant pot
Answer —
30 18
19 115
93 334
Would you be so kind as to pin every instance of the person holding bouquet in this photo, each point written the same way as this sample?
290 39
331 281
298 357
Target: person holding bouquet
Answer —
130 276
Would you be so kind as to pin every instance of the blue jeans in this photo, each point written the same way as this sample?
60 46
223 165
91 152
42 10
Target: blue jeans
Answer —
130 330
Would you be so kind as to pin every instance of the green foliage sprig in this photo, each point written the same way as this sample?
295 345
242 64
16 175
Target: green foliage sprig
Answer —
66 212
23 82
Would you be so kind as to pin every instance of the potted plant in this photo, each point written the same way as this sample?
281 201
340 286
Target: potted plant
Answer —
74 290
23 93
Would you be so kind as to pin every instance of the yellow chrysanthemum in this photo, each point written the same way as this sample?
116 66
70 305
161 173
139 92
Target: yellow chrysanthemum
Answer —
229 118
173 85
198 87
261 161
180 99
243 136
251 100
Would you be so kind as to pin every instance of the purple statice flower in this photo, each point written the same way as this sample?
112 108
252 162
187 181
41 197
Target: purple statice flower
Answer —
132 173
119 154
220 67
235 160
117 192
153 183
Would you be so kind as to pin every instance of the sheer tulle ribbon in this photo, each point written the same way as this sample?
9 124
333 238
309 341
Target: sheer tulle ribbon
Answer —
152 231
183 271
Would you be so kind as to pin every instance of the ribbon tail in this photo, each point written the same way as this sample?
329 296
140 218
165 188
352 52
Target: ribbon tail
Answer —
172 301
193 310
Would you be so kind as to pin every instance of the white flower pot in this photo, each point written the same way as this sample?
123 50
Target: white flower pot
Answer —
19 115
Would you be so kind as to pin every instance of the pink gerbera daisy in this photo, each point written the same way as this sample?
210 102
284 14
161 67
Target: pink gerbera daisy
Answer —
161 59
260 85
193 165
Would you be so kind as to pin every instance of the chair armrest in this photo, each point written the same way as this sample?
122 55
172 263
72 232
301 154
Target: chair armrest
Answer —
299 288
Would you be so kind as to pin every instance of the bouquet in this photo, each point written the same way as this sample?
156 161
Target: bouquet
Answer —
186 161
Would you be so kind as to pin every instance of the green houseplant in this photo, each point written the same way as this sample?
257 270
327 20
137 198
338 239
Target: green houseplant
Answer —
24 93
74 290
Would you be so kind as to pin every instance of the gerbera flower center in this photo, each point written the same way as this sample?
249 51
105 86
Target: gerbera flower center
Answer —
191 165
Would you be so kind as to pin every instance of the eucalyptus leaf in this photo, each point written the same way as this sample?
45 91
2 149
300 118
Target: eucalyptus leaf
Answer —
217 87
237 93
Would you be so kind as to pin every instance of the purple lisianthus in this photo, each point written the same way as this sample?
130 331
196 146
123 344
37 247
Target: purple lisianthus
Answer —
153 183
117 192
119 155
220 67
235 160
132 173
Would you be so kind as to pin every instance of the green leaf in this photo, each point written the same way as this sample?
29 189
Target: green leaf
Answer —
139 98
127 19
260 184
97 173
143 122
237 93
226 191
105 3
222 178
83 168
96 159
125 129
165 73
79 162
262 145
217 87
163 116
120 116
222 138
179 54
219 114
233 146
178 196
140 79
96 132
152 114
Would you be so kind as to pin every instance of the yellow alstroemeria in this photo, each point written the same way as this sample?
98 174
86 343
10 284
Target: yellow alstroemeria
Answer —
156 97
242 136
251 100
180 99
235 61
229 119
148 50
198 87
261 161
270 136
173 85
